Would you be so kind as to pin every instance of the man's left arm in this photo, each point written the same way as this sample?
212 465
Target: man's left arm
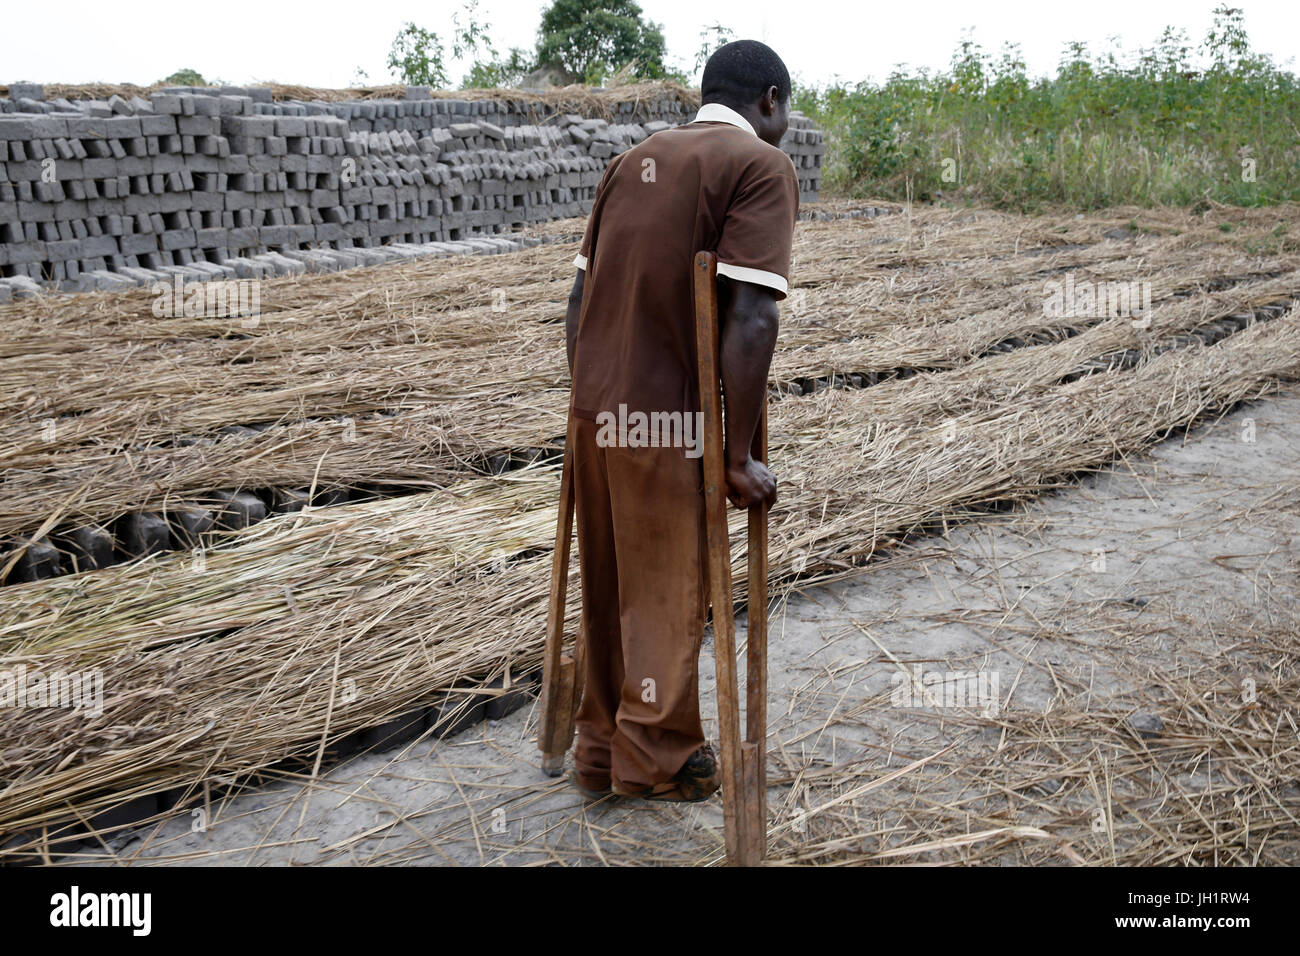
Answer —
581 260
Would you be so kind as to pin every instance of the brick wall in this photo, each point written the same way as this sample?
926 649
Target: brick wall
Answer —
211 183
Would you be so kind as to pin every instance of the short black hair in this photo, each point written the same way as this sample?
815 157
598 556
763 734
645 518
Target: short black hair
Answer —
740 72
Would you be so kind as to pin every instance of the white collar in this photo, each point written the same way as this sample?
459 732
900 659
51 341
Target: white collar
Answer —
717 113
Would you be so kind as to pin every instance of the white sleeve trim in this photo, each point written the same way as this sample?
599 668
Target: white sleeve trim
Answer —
580 262
756 276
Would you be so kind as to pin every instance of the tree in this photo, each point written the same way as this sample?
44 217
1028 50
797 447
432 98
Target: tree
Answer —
710 39
593 38
186 78
498 72
417 57
488 69
1226 41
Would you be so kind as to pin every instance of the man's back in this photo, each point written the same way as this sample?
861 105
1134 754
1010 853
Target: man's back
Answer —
717 184
711 184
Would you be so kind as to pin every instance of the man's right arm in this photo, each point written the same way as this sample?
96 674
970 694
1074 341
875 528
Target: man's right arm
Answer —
748 316
754 253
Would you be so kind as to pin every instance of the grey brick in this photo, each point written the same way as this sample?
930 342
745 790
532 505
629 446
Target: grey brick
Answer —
26 91
290 126
157 125
17 127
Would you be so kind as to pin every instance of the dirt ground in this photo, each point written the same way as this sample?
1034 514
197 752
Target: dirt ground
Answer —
1097 619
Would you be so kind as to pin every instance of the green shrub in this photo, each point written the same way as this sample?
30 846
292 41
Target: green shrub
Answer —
1100 132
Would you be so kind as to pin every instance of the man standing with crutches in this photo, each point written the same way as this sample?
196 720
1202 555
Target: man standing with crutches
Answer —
633 460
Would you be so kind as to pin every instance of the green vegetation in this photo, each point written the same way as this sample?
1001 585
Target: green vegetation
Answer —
710 39
1170 127
1173 124
419 58
595 39
416 57
589 41
185 78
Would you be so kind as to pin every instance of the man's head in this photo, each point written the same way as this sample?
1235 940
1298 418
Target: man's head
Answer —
750 78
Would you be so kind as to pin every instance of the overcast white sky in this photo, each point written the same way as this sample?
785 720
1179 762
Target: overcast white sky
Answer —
323 43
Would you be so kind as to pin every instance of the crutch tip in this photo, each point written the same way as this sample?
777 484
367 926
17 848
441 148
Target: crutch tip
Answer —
552 764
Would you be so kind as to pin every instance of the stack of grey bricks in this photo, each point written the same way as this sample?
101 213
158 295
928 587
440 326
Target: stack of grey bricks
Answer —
212 183
806 147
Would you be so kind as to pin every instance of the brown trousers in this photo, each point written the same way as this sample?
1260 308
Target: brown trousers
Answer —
642 551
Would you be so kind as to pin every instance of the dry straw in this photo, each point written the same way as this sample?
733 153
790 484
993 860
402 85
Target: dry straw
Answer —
226 670
411 373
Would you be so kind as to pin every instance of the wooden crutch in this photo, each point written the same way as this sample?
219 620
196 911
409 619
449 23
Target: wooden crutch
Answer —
744 775
562 674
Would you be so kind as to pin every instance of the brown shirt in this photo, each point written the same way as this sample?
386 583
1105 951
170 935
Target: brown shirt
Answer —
711 184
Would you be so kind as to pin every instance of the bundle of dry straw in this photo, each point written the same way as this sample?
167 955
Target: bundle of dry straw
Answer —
409 374
229 668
